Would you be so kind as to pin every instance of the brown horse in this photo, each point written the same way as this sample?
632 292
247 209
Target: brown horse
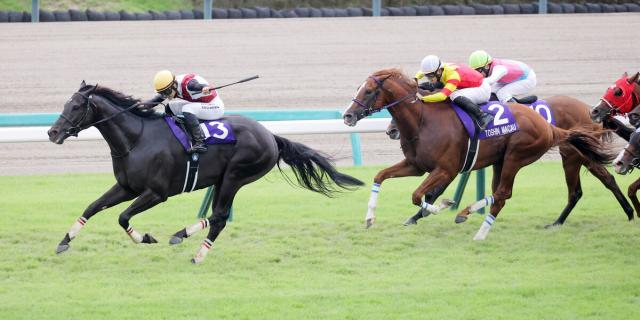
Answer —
433 140
571 113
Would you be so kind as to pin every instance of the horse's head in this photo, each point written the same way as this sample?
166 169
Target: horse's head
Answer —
380 91
77 113
629 157
620 98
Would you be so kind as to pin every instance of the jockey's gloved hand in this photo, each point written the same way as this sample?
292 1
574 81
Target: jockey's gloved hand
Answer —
419 96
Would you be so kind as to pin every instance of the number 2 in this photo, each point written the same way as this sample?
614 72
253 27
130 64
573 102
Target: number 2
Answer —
498 120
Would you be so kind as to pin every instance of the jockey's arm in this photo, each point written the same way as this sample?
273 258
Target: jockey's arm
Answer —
450 86
496 74
152 102
194 86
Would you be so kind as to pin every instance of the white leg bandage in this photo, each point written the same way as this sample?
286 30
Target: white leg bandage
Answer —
134 235
485 227
204 249
75 228
201 225
371 207
487 201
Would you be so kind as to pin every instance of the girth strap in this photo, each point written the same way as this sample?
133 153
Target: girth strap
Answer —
191 178
473 147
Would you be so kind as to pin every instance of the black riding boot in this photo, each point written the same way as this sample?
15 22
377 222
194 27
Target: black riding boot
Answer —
480 117
197 137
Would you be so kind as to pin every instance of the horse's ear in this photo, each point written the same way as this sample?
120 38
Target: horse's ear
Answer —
82 84
625 75
634 78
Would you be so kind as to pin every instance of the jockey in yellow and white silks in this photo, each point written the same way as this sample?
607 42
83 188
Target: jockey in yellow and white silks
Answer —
508 78
192 97
465 86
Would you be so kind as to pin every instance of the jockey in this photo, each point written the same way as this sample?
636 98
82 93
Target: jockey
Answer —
463 85
506 77
197 100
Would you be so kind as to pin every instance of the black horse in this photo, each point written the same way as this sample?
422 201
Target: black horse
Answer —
150 164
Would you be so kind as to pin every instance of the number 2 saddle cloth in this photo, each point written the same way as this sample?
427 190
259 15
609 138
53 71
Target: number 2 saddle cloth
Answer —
215 131
503 123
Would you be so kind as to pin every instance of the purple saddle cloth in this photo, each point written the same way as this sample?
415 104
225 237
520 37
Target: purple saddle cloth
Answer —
215 131
503 122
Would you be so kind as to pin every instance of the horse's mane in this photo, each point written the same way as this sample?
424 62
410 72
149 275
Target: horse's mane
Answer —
397 74
120 100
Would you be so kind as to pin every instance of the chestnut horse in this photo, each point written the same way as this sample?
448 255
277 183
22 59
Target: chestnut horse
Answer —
433 140
571 113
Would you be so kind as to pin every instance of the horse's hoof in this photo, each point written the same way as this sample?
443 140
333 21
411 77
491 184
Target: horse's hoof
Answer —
62 248
175 240
409 222
368 223
553 225
461 219
147 238
193 261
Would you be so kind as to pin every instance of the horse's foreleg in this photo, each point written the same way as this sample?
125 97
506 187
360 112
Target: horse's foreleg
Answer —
114 196
145 201
431 188
609 181
219 216
400 169
631 192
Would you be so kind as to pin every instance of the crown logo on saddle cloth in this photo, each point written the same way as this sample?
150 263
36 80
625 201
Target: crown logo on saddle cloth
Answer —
215 132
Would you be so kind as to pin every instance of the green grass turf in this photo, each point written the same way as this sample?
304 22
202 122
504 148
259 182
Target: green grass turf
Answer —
292 254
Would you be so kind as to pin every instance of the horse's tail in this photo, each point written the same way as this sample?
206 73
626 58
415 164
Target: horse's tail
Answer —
313 170
586 143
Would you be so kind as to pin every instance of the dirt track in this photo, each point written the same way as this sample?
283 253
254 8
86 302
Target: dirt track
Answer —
303 63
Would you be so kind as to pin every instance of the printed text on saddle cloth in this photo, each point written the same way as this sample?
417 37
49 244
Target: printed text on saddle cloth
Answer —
503 122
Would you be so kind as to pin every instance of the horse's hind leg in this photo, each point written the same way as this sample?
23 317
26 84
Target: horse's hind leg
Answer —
114 196
571 165
495 181
202 224
499 198
609 181
218 219
631 192
146 200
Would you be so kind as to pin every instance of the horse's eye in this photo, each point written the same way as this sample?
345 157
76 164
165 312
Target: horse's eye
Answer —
617 92
368 91
76 107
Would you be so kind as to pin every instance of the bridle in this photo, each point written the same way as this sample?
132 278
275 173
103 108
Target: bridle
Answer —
369 102
76 127
635 160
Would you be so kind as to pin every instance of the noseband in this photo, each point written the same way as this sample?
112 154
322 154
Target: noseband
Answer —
369 109
635 160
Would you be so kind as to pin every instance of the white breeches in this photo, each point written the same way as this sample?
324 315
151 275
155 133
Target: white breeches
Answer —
205 111
478 95
506 91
